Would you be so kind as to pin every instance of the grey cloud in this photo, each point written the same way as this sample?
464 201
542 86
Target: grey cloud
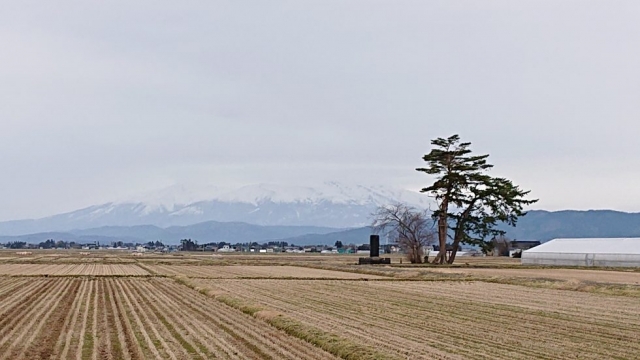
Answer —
105 99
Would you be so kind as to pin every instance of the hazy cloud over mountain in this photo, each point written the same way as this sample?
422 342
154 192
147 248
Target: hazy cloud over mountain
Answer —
104 100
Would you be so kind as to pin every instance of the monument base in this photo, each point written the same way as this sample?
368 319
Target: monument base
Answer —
374 260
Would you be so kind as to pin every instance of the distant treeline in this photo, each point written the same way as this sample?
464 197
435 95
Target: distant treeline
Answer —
60 244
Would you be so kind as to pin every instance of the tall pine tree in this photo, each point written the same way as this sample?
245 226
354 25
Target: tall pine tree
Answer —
471 203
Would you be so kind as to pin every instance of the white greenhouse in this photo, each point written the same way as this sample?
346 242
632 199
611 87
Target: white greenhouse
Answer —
609 252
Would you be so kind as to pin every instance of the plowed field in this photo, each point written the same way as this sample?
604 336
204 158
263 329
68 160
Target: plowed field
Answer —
454 320
595 276
102 308
118 318
241 271
72 269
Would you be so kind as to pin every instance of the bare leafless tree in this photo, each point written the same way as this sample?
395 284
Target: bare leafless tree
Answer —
412 228
501 245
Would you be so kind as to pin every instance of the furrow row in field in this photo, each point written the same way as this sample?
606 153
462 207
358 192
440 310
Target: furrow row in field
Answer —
198 345
67 340
441 341
246 329
585 275
241 271
135 324
475 315
25 323
132 318
126 335
148 326
68 321
614 312
220 332
346 304
90 345
533 298
50 328
12 289
8 285
72 269
15 311
174 341
105 327
365 329
233 327
500 316
239 328
79 333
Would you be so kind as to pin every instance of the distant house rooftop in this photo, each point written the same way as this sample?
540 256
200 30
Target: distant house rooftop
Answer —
524 245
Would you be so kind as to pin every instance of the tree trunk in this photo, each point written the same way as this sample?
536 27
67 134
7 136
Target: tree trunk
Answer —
454 251
457 239
459 234
439 259
443 226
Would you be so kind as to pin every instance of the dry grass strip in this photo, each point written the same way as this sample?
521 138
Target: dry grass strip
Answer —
330 342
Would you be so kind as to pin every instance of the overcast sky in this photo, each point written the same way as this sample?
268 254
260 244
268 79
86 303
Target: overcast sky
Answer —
100 100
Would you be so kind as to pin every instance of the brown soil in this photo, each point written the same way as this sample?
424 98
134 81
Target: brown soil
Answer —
454 320
129 318
72 269
241 271
596 276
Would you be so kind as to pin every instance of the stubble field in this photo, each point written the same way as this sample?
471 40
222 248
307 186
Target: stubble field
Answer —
454 320
265 271
593 276
72 269
198 307
71 318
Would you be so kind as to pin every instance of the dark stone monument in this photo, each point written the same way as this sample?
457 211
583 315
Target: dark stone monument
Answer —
374 246
374 253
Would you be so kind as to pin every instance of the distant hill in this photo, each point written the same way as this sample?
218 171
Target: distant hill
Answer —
546 225
351 236
329 204
537 225
80 239
209 231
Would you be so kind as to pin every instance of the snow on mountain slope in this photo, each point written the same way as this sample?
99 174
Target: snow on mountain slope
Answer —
332 192
330 204
173 197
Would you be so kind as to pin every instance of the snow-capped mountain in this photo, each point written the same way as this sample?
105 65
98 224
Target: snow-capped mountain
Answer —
330 204
332 192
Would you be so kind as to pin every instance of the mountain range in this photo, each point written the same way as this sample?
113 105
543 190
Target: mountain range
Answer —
536 225
330 204
206 232
300 215
546 225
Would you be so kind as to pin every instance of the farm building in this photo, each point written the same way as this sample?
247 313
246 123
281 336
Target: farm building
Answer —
608 252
